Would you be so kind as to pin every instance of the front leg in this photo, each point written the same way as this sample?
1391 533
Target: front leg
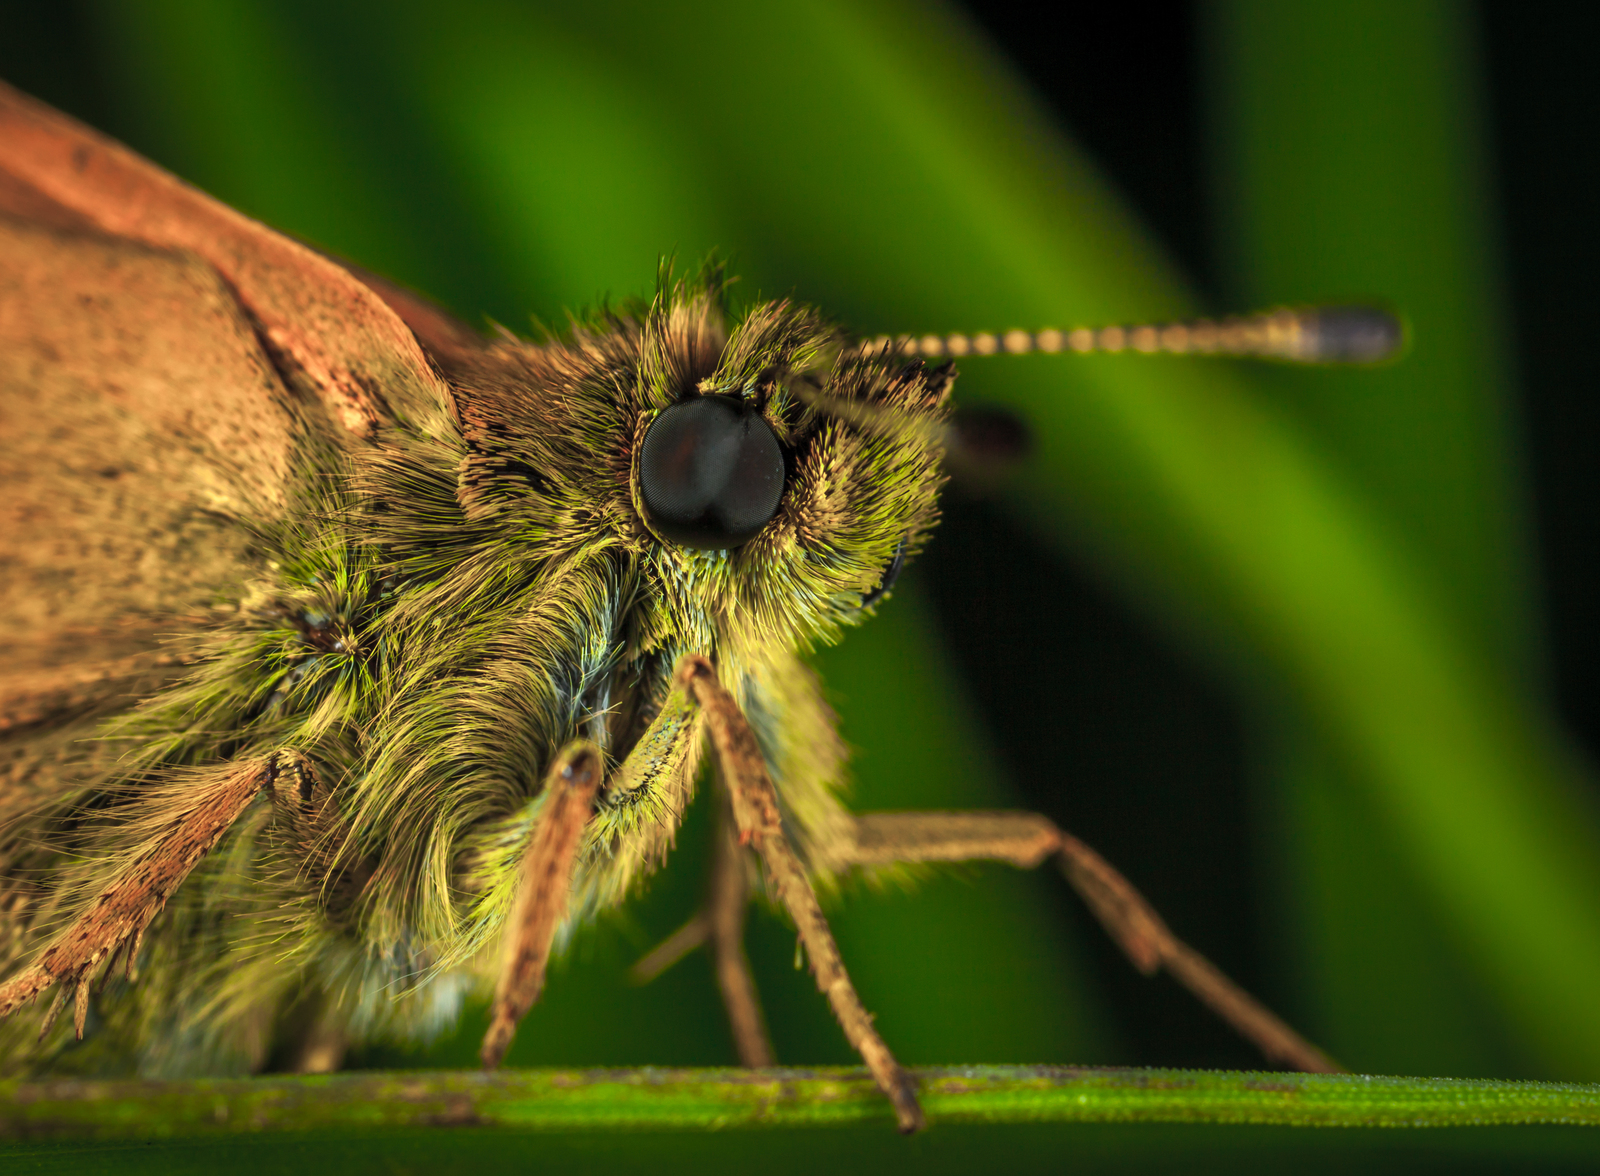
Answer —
644 800
755 811
1027 839
546 883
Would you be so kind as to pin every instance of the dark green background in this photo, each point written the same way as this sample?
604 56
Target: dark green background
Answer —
1307 654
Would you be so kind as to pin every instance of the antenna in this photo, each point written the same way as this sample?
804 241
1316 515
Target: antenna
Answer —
1302 334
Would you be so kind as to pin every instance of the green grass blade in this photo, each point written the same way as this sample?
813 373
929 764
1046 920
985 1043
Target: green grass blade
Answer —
568 1100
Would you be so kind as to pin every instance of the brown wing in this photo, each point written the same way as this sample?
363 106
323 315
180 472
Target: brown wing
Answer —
160 357
141 424
447 340
328 330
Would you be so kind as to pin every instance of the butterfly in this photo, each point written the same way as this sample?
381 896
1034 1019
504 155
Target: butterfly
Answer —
354 657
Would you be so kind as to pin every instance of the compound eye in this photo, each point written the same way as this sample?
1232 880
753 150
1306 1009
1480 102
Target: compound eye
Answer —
711 472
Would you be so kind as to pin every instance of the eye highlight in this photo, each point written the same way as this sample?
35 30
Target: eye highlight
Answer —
711 472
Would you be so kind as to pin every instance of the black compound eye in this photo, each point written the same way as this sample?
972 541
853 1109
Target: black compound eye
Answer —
711 472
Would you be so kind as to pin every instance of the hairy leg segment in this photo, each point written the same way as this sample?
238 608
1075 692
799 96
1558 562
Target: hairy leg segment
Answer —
182 825
1026 840
755 813
547 866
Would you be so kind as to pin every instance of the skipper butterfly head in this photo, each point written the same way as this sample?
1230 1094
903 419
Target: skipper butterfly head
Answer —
761 478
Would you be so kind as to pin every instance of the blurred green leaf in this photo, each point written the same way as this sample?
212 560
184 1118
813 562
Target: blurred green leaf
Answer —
1351 164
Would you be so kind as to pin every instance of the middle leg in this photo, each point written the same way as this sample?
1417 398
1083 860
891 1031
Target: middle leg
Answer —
719 925
725 913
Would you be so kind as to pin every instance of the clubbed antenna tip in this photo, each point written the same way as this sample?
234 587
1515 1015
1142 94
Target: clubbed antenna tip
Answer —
1351 334
1307 334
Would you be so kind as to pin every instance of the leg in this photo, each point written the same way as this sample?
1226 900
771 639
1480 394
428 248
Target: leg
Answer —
547 867
673 948
755 810
186 823
721 922
1025 840
725 910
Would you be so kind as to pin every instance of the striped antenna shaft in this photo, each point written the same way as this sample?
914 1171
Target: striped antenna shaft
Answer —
1307 334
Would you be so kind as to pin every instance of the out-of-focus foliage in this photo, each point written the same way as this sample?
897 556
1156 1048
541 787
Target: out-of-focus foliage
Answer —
1347 547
